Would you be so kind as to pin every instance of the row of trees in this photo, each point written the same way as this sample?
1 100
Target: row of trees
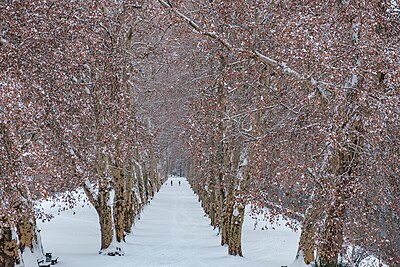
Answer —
296 108
69 118
290 105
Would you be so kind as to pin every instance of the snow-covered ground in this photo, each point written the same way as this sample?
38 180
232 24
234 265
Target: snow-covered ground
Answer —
172 231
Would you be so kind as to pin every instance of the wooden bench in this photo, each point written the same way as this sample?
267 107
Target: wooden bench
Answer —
51 259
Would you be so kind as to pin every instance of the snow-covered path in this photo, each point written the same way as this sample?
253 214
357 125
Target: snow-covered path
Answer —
172 231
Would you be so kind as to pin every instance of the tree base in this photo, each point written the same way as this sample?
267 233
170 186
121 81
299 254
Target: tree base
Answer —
113 251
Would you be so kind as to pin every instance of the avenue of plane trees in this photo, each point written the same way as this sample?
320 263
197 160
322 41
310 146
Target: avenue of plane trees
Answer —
290 106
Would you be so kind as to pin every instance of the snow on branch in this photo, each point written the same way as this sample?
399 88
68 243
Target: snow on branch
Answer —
321 86
90 193
195 26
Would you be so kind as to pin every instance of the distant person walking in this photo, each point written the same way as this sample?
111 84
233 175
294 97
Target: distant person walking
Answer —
171 182
179 183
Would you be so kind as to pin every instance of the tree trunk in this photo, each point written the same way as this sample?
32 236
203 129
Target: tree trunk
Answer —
343 163
101 202
333 234
342 166
119 203
129 213
239 183
141 184
309 228
307 239
154 174
29 241
212 202
8 248
226 222
235 239
25 231
105 218
147 183
220 201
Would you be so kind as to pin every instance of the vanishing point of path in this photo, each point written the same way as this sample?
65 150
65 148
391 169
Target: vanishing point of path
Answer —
172 231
